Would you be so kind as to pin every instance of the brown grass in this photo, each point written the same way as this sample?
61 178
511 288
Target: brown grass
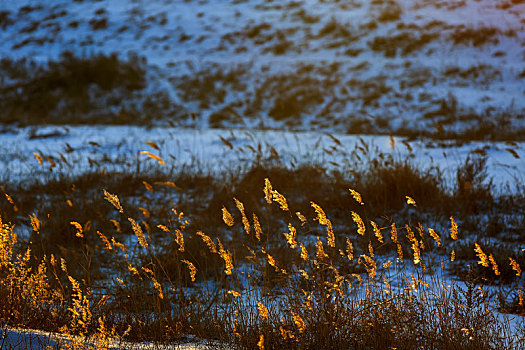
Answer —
255 261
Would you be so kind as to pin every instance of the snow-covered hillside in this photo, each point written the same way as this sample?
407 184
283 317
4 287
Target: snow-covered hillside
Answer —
448 68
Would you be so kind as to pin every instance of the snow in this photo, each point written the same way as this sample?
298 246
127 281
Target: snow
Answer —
118 148
183 39
27 339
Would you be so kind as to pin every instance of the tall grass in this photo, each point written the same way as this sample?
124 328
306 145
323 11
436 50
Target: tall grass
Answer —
280 275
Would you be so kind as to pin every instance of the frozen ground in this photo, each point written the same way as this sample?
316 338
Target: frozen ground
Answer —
15 338
76 149
448 68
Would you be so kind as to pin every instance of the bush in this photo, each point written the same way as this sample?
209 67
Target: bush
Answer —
70 88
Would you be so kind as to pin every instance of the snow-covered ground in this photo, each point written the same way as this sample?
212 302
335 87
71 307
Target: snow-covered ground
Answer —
77 149
402 66
16 338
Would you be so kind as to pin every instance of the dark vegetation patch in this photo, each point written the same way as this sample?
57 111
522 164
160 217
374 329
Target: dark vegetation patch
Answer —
284 96
296 100
291 95
307 18
451 118
403 43
30 28
335 29
5 19
479 74
337 34
98 88
416 77
98 23
389 11
260 34
272 40
210 87
55 15
281 46
26 9
477 36
227 116
370 91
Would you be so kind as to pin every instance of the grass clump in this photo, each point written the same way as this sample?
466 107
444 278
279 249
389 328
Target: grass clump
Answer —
404 43
70 88
476 36
390 11
25 290
5 19
209 87
292 95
